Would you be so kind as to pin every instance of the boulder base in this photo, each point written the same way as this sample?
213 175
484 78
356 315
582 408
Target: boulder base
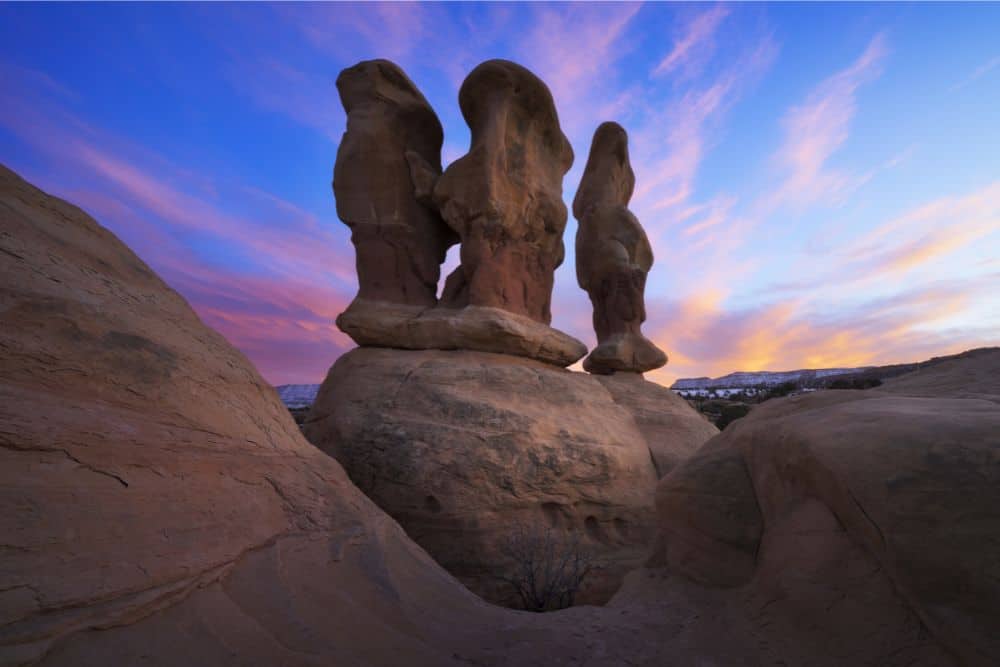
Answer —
478 328
466 448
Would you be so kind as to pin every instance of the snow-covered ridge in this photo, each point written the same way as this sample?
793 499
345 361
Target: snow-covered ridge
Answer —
743 380
297 395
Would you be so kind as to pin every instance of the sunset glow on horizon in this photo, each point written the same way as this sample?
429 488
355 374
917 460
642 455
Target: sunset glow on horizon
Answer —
820 183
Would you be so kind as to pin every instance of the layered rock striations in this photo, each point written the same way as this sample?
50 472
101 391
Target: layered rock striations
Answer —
399 241
613 257
157 503
846 512
504 197
503 200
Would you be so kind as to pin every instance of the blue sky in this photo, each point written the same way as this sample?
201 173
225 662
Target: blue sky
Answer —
821 182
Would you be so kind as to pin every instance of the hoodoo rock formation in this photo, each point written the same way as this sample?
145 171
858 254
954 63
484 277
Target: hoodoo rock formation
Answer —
467 447
613 257
503 199
158 505
399 241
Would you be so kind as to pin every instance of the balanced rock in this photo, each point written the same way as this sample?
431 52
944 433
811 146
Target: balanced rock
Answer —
848 513
613 257
466 448
504 197
400 242
481 328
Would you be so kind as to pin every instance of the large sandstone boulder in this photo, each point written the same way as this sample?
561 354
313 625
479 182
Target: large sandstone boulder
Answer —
613 257
466 448
883 503
399 241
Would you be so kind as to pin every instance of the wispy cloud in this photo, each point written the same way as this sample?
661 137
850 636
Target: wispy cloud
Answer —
575 48
977 74
292 275
819 127
694 44
703 337
914 240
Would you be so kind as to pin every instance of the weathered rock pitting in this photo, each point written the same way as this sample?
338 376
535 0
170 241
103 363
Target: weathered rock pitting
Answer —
399 241
504 197
464 448
613 257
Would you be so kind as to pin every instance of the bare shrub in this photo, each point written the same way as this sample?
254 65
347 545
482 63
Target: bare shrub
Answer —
547 568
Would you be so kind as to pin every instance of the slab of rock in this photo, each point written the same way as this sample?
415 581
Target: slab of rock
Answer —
893 489
157 503
479 328
504 197
464 448
399 240
613 257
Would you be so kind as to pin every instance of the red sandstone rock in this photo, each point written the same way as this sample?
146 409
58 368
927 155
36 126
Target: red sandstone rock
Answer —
504 197
613 257
464 448
399 241
902 482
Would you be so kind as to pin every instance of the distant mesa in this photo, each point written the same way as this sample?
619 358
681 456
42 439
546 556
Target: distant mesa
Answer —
613 257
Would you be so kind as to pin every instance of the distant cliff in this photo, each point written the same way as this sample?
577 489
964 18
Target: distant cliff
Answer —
807 378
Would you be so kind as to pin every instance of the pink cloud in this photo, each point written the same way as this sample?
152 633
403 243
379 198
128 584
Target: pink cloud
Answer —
694 45
817 128
703 337
278 306
574 48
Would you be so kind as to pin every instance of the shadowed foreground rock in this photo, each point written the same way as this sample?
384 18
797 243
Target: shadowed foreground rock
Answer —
465 448
158 507
613 257
861 500
399 242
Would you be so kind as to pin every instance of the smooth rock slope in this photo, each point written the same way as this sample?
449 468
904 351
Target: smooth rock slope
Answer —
890 496
151 482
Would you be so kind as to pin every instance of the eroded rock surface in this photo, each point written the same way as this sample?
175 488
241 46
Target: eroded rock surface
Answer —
399 241
504 197
613 257
157 503
158 506
463 448
479 328
897 486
